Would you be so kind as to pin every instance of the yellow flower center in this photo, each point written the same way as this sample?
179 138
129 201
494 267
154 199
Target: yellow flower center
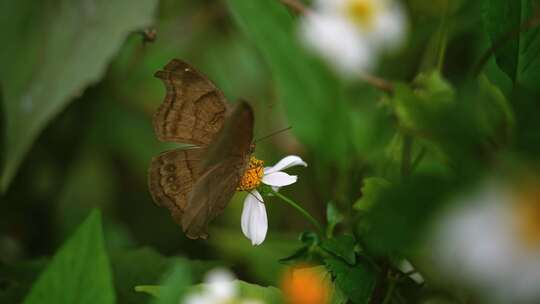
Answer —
252 176
528 216
362 12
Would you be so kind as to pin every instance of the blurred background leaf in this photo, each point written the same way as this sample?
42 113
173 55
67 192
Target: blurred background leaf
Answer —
145 266
313 98
79 272
514 38
55 50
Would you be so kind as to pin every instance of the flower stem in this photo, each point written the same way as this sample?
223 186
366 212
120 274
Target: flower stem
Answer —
296 206
389 292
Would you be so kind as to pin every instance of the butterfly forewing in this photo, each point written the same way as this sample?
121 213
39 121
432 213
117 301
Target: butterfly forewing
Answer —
194 109
222 168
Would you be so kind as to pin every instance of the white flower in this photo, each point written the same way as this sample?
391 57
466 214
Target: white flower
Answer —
219 288
491 242
351 33
254 221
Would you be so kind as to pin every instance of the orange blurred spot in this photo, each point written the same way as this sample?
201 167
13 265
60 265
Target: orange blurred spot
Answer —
305 285
528 214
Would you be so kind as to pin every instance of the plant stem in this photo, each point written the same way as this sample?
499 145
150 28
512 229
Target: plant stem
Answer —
443 41
378 83
295 5
389 292
306 214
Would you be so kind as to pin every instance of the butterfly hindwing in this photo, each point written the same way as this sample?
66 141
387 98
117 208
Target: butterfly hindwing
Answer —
171 177
194 109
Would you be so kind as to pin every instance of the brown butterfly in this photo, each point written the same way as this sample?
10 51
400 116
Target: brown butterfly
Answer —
196 184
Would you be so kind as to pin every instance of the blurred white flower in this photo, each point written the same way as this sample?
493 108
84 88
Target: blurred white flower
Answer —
491 241
254 221
219 288
407 267
350 34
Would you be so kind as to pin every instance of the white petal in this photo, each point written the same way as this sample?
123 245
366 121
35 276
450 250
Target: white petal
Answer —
279 179
197 299
254 221
251 301
284 163
390 27
406 266
325 6
339 42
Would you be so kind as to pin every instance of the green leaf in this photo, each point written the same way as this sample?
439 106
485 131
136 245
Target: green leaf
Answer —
245 291
518 58
312 96
495 114
146 266
421 108
305 253
55 50
79 272
153 290
302 254
356 282
309 238
342 246
337 296
175 285
445 120
269 295
371 190
333 218
401 214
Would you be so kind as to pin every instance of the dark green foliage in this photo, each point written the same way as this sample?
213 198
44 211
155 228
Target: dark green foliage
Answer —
356 282
341 246
518 55
80 270
401 214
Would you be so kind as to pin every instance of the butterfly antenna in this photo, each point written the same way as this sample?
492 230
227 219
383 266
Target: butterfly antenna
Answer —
273 133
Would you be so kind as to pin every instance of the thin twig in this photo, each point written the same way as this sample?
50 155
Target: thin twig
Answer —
296 6
374 81
499 43
377 82
389 292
